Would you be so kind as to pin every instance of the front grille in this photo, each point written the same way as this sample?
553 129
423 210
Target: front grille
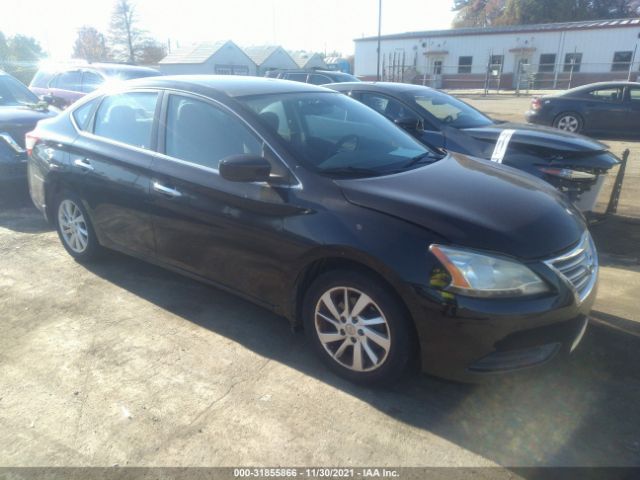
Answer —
579 267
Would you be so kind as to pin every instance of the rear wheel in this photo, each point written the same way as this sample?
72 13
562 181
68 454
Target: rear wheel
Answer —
74 228
357 326
569 122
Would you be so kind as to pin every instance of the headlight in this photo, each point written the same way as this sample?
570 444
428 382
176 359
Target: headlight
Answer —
480 275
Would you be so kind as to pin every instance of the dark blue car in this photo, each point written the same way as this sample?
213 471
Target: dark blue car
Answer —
20 110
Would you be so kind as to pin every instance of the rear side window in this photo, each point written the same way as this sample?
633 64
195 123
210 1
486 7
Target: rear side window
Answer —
127 118
81 114
201 133
609 94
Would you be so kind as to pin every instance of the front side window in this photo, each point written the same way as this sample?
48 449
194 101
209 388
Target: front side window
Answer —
332 134
621 61
127 118
450 110
318 79
201 133
389 107
634 95
91 81
71 81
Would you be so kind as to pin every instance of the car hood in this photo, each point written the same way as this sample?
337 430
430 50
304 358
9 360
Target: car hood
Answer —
538 136
476 204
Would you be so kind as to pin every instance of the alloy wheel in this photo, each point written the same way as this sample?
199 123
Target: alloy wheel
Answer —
73 226
352 329
568 123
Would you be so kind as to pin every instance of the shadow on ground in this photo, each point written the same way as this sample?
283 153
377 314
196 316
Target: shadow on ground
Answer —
17 212
581 411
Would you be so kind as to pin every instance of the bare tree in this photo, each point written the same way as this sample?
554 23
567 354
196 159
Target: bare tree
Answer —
125 37
91 45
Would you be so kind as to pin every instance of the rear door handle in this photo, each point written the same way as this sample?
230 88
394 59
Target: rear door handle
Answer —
170 192
84 164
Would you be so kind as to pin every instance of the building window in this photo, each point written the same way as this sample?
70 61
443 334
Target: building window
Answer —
547 63
495 64
621 61
572 61
231 70
464 64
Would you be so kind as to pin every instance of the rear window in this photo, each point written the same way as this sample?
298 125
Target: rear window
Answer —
41 79
131 74
127 118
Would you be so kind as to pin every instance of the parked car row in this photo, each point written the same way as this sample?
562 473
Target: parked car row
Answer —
317 207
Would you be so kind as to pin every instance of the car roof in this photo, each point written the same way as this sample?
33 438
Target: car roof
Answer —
229 85
378 86
592 86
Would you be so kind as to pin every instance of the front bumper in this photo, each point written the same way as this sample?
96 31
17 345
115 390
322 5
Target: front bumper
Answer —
474 338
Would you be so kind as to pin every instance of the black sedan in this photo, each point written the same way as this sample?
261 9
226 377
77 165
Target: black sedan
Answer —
318 208
611 108
20 110
571 163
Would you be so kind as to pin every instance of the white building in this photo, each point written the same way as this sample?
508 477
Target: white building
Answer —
270 57
222 58
308 60
550 55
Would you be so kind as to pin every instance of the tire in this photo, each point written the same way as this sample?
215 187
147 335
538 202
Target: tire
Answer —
384 342
74 228
569 122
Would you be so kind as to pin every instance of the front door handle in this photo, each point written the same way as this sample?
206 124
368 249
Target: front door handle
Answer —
84 164
171 192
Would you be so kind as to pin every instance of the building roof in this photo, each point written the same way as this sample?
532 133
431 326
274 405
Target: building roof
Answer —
260 54
198 53
302 58
541 27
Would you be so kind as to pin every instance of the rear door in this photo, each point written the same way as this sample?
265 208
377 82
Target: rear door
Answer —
605 109
111 162
633 121
227 232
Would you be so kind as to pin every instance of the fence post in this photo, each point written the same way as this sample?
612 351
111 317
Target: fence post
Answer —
612 208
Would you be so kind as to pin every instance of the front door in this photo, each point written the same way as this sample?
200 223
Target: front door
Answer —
633 121
111 170
606 109
521 73
226 232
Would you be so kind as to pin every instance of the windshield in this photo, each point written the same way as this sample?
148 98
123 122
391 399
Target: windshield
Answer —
450 110
131 74
13 93
333 134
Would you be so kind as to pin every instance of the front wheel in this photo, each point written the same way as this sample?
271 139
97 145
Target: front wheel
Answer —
569 122
74 228
357 326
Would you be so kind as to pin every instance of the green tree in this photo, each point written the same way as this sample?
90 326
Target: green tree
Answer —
91 45
19 56
477 13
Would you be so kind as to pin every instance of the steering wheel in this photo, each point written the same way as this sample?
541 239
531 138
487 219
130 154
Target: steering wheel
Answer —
348 143
448 119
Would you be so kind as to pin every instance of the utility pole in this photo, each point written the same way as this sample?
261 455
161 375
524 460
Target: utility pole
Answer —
379 34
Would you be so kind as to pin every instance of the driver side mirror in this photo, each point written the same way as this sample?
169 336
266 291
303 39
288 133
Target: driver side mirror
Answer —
410 124
245 168
47 98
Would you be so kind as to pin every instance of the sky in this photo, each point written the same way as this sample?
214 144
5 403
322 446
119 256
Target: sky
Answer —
314 25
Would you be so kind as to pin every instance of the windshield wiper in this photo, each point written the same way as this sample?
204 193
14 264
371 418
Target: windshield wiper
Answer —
430 156
357 171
